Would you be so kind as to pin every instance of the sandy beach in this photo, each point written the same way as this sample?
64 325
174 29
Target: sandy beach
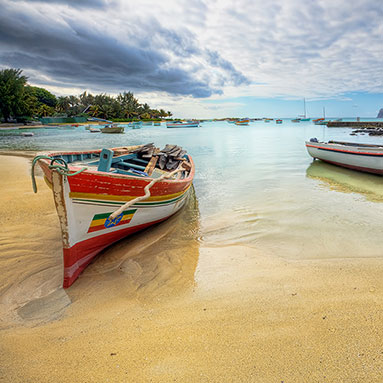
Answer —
158 308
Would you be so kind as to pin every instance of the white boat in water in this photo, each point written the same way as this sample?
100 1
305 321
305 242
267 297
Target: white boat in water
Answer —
183 124
362 157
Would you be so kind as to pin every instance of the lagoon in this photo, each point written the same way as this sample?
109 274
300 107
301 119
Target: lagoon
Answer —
257 186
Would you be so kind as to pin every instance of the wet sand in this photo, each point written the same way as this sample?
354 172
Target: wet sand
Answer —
163 306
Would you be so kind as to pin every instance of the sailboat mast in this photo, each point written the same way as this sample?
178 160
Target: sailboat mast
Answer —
324 112
304 106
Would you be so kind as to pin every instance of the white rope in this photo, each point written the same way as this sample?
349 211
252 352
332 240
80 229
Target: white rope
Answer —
146 195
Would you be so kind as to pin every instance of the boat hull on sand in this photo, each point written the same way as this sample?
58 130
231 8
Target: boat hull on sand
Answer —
362 157
84 203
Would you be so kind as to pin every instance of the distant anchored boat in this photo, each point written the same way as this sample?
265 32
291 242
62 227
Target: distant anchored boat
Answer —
279 121
245 121
183 124
362 157
102 196
112 129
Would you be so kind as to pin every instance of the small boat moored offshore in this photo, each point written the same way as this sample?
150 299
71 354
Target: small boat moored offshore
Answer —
363 157
279 121
183 124
245 121
102 196
112 129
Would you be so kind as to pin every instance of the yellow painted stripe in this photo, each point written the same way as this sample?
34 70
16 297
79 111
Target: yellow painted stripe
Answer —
108 197
99 222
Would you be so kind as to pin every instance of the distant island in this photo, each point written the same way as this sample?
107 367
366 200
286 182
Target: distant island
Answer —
380 114
22 102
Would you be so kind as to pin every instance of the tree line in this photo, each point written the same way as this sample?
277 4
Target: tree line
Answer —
21 101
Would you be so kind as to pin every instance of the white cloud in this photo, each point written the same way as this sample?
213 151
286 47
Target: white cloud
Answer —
286 48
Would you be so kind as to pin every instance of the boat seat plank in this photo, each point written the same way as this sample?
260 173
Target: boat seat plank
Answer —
126 165
151 165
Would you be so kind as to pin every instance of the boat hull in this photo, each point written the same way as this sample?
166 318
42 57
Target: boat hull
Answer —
196 125
363 158
85 201
113 130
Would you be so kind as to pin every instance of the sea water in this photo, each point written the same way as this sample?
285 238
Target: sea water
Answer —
256 185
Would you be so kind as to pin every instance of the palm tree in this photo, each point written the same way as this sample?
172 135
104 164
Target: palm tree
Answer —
129 104
63 104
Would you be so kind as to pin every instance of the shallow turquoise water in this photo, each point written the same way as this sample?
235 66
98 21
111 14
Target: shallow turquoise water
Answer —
257 186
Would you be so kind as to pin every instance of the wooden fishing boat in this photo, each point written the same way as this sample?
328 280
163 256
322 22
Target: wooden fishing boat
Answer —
363 157
94 130
102 196
296 120
244 121
113 129
279 121
182 124
157 124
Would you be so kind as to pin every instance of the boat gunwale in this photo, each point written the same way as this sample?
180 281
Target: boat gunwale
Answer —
118 175
363 151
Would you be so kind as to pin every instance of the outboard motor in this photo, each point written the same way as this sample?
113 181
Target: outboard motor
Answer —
314 139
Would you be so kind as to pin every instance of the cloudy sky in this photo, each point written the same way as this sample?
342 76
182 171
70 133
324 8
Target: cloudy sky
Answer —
204 58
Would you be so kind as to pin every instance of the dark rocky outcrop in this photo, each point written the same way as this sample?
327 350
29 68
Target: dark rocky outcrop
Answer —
355 124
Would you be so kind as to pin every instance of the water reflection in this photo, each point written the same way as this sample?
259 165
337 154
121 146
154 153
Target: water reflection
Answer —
345 180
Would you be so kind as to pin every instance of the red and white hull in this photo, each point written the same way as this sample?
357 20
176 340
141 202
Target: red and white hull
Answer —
362 157
85 201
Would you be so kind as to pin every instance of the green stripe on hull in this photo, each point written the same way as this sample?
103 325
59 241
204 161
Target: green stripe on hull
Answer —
154 203
106 215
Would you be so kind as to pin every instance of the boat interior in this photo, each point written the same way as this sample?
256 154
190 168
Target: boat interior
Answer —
355 144
138 161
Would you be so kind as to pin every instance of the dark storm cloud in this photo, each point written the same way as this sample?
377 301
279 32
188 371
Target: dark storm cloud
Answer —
79 56
216 60
75 3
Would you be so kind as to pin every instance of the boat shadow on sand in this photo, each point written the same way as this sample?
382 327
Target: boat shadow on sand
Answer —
154 261
345 180
158 261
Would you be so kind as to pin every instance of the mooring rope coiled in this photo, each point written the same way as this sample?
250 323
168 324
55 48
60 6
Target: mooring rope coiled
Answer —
61 169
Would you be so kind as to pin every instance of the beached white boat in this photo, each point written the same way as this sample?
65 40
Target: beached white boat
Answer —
182 124
363 157
102 196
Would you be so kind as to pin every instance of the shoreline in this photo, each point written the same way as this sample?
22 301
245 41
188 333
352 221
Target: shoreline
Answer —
156 308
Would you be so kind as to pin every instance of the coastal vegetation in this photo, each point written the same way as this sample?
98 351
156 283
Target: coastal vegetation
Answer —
23 102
